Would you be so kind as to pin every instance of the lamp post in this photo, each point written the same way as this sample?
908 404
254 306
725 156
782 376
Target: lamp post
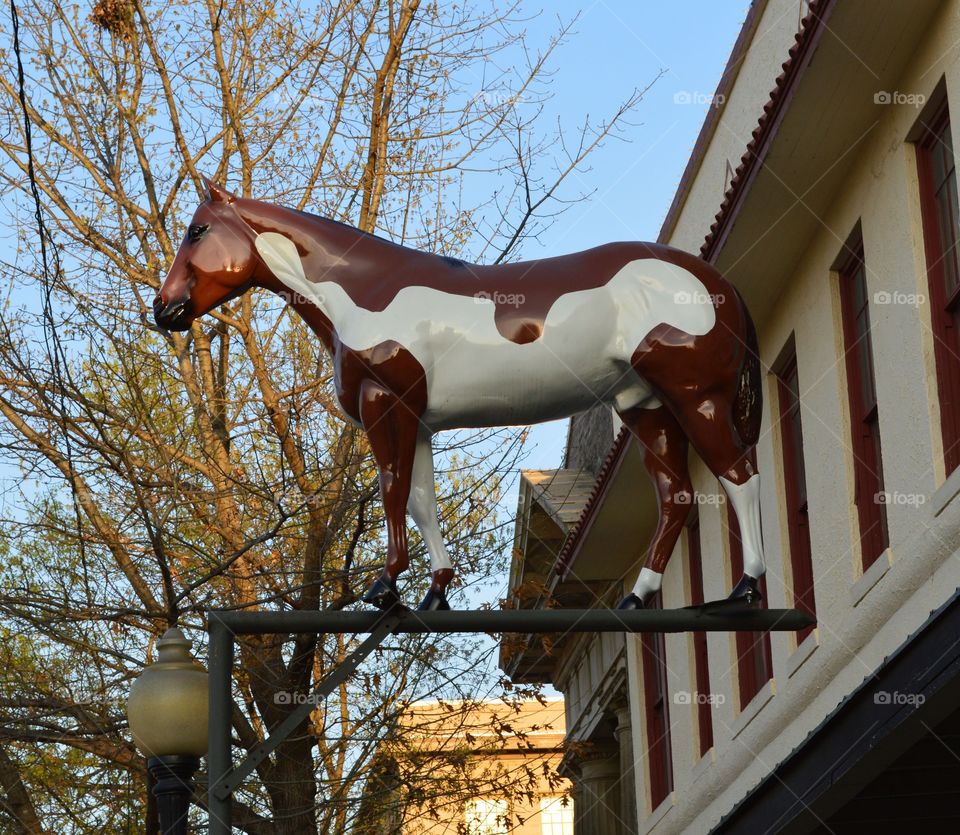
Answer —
167 711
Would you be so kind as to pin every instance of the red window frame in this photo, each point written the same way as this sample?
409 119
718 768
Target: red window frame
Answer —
795 483
862 392
700 655
754 658
656 703
938 210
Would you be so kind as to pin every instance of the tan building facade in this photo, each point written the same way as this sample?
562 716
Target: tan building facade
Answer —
831 204
479 768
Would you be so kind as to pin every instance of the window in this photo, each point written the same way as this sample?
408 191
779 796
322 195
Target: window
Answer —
938 203
659 754
700 658
486 817
556 818
754 664
865 426
795 482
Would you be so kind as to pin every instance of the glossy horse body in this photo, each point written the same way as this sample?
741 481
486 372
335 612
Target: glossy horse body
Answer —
423 343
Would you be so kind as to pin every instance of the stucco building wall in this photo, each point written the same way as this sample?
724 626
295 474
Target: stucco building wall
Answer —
863 617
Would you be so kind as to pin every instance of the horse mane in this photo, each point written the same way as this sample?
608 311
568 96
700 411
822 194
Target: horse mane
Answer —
349 226
449 259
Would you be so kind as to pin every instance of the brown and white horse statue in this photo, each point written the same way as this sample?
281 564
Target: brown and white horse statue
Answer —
422 343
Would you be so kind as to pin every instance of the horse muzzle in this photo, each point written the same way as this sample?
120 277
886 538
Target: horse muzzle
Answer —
175 315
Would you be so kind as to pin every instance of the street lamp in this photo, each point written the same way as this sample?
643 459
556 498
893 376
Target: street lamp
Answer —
167 711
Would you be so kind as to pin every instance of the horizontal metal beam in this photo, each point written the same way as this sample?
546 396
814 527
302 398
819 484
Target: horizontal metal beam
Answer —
223 778
716 617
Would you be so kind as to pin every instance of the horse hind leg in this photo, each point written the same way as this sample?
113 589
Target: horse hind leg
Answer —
665 458
706 420
716 394
422 507
744 496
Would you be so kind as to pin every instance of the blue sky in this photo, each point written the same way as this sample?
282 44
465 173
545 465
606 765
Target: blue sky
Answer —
618 45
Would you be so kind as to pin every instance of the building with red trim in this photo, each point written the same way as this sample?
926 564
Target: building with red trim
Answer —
823 186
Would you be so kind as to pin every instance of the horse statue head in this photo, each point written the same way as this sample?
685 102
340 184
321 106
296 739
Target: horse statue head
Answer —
216 262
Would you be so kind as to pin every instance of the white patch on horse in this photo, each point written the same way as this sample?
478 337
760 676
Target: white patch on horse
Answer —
477 377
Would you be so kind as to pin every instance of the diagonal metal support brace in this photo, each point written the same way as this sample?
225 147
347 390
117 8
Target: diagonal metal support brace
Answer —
384 627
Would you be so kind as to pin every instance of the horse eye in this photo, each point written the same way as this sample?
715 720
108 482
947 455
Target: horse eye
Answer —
195 233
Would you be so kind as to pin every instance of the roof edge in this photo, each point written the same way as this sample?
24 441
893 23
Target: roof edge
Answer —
807 37
610 465
710 122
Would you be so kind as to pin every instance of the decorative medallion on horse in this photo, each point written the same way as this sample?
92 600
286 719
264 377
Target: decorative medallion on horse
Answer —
422 343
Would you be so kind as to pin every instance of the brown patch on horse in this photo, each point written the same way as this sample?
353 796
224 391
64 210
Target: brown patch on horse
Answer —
519 329
391 366
387 363
664 449
701 378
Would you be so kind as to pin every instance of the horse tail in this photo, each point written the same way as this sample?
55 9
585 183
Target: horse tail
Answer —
748 399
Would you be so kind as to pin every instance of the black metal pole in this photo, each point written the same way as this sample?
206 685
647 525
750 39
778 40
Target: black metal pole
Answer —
173 788
219 762
710 618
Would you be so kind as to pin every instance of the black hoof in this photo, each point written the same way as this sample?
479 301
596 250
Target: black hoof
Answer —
383 593
631 601
747 590
434 601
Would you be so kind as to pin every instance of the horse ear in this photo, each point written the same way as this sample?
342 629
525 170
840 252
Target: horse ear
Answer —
218 194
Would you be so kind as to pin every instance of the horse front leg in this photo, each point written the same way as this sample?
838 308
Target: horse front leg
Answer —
392 429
